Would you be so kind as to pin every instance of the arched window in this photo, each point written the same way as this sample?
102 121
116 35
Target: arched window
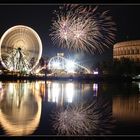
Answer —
132 51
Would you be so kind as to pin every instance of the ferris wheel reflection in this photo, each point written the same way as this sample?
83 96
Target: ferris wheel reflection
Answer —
20 108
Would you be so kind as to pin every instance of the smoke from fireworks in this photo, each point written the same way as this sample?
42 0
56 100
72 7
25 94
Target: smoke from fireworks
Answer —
83 119
82 28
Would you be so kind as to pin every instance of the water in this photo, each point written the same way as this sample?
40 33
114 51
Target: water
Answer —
28 108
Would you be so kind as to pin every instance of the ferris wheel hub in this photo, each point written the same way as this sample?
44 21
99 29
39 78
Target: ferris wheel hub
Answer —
19 49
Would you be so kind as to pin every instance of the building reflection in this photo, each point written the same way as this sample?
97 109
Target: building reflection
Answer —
127 108
20 108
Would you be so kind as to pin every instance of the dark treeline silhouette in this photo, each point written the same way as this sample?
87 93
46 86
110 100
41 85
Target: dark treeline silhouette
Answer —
122 67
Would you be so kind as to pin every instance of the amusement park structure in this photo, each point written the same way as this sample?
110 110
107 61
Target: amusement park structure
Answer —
20 49
61 65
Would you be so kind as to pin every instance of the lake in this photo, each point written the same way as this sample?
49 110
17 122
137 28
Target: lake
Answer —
69 108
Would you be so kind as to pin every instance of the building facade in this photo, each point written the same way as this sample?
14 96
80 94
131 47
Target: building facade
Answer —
127 49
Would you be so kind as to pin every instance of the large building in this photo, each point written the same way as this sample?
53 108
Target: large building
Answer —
127 49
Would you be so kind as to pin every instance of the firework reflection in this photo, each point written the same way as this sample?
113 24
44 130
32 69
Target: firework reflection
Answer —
84 119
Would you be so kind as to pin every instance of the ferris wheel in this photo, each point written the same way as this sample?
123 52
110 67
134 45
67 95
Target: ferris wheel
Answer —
20 49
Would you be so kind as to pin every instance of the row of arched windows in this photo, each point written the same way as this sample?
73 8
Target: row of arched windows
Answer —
126 51
136 59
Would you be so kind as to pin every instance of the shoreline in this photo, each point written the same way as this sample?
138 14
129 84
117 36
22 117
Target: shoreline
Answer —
105 78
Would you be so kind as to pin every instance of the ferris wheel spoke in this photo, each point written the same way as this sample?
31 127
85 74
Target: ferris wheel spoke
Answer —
32 52
8 48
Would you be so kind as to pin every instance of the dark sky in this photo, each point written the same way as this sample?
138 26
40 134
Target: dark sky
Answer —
38 17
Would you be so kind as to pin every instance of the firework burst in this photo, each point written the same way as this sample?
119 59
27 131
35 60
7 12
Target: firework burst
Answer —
82 28
83 119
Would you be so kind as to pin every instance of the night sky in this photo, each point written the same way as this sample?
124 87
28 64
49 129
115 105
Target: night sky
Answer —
38 17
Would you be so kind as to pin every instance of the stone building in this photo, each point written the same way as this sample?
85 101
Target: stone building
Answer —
127 49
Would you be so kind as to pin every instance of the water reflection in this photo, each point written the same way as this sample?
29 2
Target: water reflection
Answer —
79 110
25 107
84 118
95 89
61 92
127 108
20 108
58 91
21 102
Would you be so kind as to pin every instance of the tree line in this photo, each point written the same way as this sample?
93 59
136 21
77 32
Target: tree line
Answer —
123 66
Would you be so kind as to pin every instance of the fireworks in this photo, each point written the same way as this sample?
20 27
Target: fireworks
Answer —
83 119
82 28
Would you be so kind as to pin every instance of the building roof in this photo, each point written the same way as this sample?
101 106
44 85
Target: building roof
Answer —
127 43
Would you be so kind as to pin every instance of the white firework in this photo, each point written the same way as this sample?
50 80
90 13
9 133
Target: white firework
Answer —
82 28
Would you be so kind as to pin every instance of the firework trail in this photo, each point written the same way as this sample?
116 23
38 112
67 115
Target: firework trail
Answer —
83 119
82 28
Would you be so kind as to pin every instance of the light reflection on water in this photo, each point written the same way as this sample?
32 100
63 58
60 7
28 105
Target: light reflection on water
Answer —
20 108
127 108
21 103
69 92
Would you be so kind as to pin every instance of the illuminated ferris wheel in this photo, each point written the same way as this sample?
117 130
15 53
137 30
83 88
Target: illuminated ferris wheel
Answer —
20 49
